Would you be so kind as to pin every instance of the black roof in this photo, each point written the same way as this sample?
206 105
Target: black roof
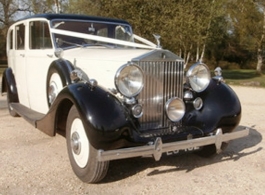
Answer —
76 17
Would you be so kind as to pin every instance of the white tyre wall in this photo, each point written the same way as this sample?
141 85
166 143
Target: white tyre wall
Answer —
82 155
55 86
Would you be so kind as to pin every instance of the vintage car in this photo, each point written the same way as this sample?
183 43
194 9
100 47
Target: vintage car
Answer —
113 94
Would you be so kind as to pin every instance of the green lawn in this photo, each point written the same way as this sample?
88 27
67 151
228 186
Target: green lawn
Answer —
235 77
244 78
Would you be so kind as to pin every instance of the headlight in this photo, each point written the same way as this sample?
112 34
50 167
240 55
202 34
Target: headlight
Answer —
129 80
198 77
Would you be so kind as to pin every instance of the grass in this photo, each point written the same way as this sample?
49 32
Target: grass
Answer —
235 77
244 78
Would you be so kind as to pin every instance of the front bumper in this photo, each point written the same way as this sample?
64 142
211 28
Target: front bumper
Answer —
158 148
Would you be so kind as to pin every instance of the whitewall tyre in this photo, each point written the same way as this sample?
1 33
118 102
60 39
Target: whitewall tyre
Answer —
55 85
82 155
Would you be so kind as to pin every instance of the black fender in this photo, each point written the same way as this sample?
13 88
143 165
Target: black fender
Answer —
9 85
221 109
63 67
104 116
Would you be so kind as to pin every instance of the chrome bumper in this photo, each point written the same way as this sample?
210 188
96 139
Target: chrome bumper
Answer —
157 148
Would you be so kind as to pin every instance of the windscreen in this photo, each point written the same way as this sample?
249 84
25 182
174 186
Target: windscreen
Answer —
109 30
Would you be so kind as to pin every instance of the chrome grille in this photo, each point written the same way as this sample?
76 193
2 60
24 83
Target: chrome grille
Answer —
163 80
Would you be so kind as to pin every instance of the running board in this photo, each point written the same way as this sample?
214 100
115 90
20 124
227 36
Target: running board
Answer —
29 115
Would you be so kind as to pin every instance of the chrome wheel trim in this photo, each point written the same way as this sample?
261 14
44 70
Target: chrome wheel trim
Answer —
79 143
55 86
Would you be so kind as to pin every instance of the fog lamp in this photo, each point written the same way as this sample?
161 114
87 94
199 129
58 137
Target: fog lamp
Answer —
137 110
198 103
175 109
188 95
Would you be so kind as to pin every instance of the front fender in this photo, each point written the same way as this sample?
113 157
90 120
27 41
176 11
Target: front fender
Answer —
221 109
103 115
63 67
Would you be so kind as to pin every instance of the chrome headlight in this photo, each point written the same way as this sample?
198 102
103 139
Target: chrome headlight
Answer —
198 76
129 80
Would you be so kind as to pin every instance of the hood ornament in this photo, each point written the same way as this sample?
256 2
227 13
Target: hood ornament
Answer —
157 37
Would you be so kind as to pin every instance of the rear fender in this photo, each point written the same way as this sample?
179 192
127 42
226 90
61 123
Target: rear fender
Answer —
9 85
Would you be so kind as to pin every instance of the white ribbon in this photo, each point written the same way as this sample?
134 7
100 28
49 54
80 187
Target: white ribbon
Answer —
106 39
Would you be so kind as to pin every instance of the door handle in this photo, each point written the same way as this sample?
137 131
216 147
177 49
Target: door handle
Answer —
50 55
22 55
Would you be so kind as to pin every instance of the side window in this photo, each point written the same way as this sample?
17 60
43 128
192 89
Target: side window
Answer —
20 37
39 35
10 40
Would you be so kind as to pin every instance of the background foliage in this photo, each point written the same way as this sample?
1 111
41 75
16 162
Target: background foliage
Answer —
226 33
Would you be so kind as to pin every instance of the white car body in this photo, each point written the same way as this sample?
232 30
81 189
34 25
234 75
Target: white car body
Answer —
99 62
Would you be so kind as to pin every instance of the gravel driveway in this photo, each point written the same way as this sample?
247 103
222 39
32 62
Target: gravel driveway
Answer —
33 163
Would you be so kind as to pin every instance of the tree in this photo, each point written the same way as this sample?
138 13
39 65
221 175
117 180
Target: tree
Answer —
39 6
48 6
215 30
260 41
8 10
248 23
184 25
11 10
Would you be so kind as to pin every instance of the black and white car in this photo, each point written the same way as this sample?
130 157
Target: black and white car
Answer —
112 93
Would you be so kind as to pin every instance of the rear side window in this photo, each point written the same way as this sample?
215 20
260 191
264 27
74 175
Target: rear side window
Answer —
10 40
20 36
39 35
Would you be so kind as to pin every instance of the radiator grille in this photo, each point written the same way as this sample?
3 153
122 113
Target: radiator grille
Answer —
163 80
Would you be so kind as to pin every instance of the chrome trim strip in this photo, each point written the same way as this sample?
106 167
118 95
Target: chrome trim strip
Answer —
158 147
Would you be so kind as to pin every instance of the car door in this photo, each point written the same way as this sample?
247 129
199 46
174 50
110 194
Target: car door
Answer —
40 55
19 66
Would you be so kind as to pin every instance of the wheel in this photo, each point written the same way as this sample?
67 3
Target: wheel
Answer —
54 85
82 155
210 150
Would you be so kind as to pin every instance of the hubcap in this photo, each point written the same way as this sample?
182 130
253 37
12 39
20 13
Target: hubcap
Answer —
79 143
75 143
55 86
52 92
